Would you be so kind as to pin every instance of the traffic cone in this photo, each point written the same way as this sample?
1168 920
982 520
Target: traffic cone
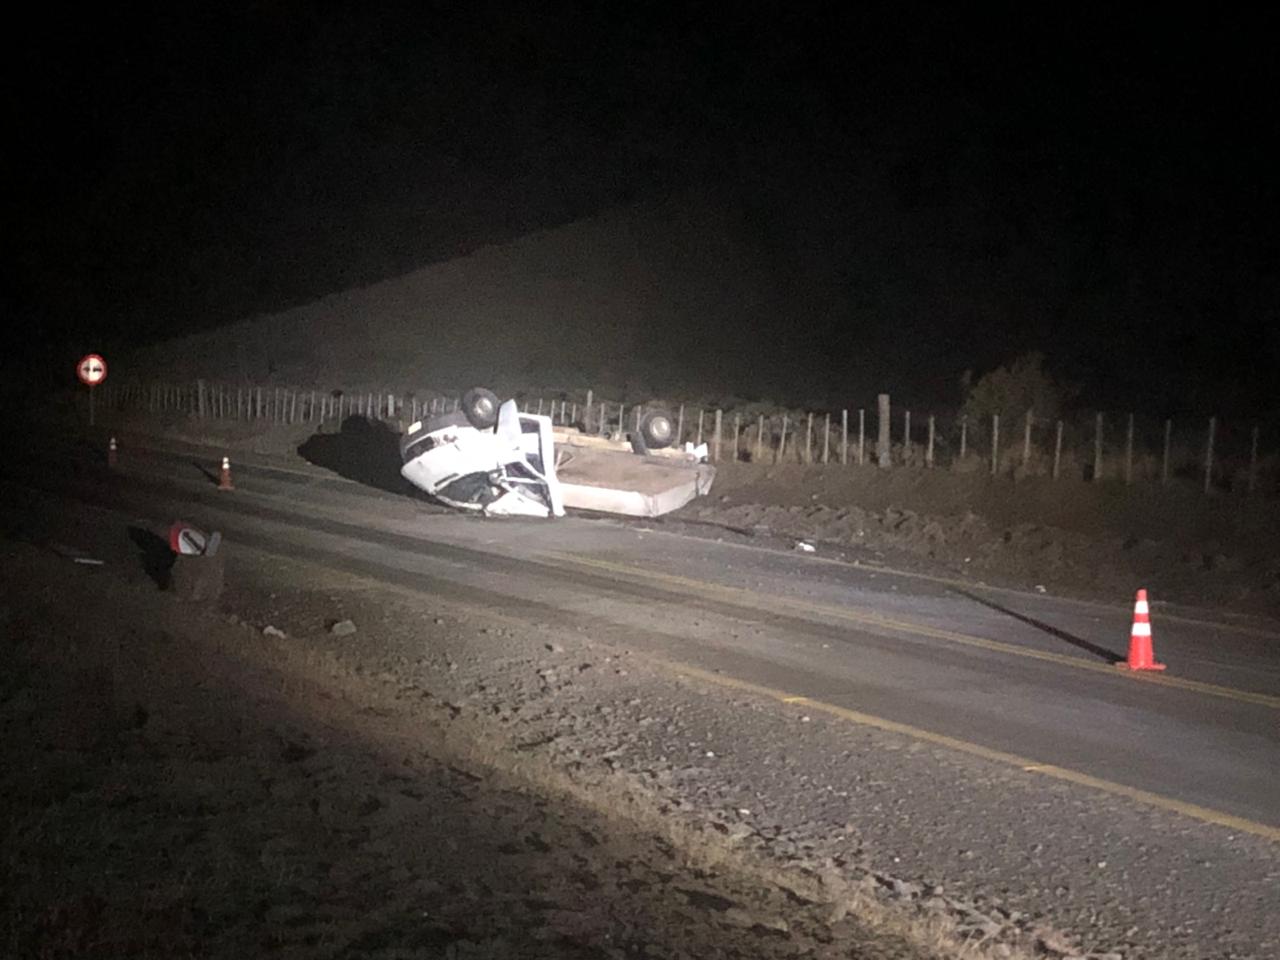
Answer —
224 477
111 454
1141 654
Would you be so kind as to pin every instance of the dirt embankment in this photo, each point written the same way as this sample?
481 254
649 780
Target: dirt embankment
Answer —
1098 541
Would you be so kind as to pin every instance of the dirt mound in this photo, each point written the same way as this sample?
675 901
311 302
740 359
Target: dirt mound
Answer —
1100 541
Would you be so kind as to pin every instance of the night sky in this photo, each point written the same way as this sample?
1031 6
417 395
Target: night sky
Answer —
1098 187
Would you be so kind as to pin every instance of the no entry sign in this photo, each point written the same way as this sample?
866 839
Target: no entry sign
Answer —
91 370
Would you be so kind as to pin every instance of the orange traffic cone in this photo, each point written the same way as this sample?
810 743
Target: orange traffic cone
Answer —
111 453
1141 654
224 477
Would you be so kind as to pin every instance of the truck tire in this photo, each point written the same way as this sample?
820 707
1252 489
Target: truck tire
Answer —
658 429
480 406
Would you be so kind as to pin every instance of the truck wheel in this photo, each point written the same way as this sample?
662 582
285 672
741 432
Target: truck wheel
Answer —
480 407
658 429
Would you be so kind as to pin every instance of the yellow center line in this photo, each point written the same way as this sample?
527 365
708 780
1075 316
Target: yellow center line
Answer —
867 618
1205 814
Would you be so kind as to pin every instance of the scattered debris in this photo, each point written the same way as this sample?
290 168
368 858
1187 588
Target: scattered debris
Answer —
74 555
805 547
270 631
343 628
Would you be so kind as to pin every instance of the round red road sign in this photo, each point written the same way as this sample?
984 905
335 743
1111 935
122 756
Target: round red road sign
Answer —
91 369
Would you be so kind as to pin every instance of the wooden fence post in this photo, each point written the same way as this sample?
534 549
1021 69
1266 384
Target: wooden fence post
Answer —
200 411
928 451
1253 459
680 425
882 440
826 439
1057 450
1128 452
862 435
760 440
1208 455
735 437
995 443
1097 449
586 411
808 441
906 438
698 442
1164 460
716 455
844 437
1026 440
782 442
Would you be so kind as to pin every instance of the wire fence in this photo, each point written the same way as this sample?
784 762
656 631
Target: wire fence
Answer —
1216 455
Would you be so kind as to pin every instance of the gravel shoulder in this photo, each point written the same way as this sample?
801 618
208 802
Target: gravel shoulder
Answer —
178 783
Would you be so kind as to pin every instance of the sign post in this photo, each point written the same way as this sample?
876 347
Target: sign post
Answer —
91 370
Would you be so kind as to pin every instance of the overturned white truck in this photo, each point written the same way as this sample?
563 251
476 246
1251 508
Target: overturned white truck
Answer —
491 458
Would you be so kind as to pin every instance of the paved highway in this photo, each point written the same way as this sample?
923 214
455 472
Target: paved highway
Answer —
1026 680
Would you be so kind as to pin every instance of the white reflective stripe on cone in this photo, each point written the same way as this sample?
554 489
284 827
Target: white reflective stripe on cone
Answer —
1141 607
1141 630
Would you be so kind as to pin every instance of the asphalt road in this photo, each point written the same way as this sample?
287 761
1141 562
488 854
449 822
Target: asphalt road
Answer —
1027 680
